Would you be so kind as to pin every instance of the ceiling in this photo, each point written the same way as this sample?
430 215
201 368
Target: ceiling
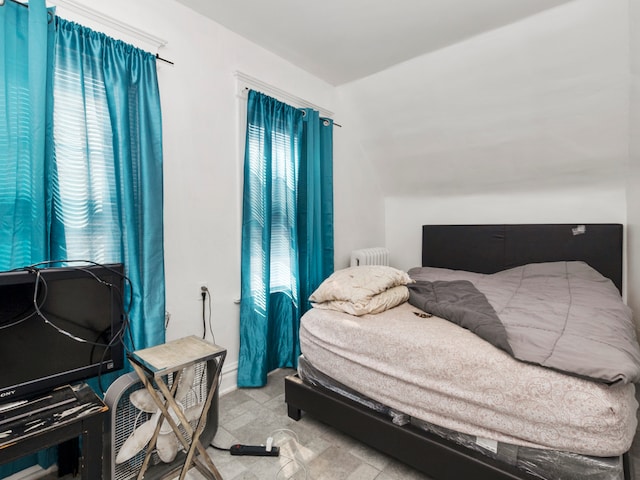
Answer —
535 101
341 41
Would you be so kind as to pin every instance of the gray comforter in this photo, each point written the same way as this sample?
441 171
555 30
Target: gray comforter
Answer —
460 302
561 315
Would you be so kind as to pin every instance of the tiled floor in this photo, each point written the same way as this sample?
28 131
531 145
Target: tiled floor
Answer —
309 450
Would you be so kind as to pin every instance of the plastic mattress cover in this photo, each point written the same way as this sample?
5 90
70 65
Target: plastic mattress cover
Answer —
545 464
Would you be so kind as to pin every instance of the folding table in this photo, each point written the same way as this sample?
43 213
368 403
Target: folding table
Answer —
158 364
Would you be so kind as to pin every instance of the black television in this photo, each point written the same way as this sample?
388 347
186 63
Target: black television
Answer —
59 326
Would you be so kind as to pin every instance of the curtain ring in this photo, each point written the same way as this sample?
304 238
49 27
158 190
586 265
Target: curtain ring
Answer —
326 122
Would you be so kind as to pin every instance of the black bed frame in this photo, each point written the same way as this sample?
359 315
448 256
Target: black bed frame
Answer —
483 249
492 248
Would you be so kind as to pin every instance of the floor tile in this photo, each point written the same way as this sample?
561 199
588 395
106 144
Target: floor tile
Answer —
309 449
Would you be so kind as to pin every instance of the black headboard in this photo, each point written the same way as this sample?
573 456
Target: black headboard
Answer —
491 248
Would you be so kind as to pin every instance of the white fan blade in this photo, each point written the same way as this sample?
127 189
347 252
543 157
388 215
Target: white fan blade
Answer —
142 400
186 382
166 427
193 413
167 447
137 440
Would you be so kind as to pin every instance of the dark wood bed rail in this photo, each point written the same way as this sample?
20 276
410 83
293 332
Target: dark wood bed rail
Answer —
437 457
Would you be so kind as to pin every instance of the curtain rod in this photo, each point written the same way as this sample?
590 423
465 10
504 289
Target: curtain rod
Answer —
108 21
247 82
158 57
323 117
26 5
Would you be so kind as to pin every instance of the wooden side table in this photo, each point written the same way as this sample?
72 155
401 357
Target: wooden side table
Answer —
46 421
155 364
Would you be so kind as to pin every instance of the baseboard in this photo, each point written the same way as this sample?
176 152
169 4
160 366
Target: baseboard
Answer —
229 381
229 378
34 472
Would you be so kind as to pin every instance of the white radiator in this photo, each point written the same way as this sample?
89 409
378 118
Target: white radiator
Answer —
370 256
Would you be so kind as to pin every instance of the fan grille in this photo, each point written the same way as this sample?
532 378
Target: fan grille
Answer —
128 418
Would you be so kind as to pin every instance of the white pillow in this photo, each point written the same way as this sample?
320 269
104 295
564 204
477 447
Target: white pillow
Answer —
359 284
378 303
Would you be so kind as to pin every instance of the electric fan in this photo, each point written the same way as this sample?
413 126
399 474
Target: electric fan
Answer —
134 417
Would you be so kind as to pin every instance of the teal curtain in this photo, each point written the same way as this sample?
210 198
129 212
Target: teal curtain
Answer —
108 162
81 161
315 204
287 231
26 39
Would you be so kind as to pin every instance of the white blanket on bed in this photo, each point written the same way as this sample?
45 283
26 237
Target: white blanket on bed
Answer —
407 362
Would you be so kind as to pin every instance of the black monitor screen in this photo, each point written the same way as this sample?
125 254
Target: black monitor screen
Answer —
57 326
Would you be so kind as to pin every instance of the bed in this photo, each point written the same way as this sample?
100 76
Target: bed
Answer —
436 441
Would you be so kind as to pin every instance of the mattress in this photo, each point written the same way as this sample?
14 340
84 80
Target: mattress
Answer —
437 372
544 464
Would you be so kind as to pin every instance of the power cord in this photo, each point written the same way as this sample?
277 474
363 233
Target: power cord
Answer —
203 291
215 447
206 295
297 468
288 448
117 337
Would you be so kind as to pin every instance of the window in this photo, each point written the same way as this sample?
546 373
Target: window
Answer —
84 207
287 231
281 174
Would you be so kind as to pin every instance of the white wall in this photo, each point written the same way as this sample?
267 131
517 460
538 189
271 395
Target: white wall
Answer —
358 199
527 123
405 216
539 103
202 165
